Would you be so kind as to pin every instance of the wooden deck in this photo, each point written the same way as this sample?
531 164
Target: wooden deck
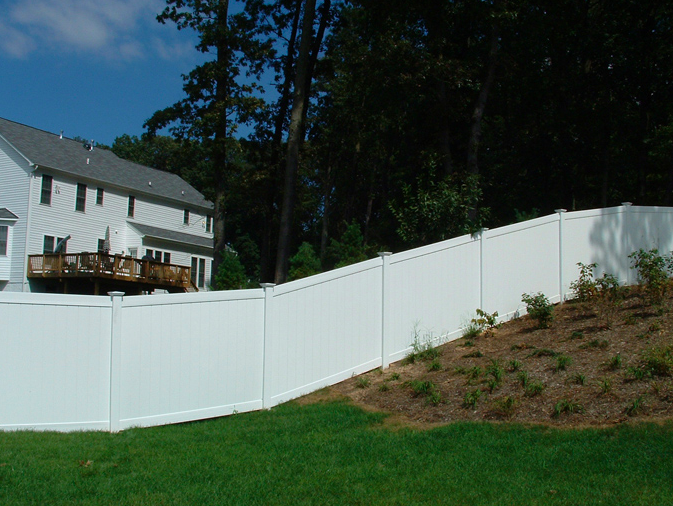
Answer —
110 269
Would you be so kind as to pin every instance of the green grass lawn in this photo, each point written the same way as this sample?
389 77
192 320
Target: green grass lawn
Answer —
334 453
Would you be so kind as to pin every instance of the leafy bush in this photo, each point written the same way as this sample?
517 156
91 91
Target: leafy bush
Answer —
659 361
470 399
539 308
505 406
562 362
653 272
585 287
566 406
534 388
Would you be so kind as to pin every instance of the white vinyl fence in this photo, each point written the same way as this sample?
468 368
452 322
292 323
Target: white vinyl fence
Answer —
70 362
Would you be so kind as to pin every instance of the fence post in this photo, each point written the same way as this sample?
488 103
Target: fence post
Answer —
627 235
561 219
115 360
266 358
385 311
481 267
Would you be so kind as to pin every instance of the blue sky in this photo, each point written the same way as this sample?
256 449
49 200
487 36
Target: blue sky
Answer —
92 68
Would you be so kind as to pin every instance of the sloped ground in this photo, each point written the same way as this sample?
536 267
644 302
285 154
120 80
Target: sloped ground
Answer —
617 368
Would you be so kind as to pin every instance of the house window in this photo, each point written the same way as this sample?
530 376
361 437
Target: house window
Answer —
99 196
167 257
185 217
209 224
45 196
48 244
157 255
4 234
132 206
149 253
133 252
195 268
202 273
101 245
80 201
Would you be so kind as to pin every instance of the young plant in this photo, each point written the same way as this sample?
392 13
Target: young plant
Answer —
562 362
609 297
514 365
659 361
474 354
636 406
495 370
577 334
566 406
585 287
653 272
384 387
605 385
534 388
539 308
615 362
579 379
470 399
435 365
363 382
522 376
505 406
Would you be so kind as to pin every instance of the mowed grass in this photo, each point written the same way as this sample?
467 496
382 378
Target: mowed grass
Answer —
335 453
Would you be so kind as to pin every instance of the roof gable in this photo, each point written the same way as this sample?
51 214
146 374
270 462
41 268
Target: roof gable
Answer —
66 155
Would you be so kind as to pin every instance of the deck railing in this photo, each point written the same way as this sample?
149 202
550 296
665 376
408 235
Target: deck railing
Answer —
104 265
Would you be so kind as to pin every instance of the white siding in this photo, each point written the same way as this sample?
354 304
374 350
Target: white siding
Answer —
14 187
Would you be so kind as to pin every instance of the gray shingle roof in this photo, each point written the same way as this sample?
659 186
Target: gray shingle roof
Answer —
170 235
66 155
6 214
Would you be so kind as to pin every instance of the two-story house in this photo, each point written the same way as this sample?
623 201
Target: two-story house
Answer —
54 188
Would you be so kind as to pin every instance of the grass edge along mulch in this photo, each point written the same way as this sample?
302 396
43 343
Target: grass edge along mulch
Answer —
333 452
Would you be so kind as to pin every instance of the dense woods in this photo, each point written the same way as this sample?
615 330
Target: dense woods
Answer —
390 124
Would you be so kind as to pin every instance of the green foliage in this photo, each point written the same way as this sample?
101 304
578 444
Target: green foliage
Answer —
579 379
594 344
523 377
304 263
605 385
363 382
636 407
505 406
514 365
231 274
395 376
653 272
421 348
534 388
566 406
562 362
350 249
470 398
585 287
637 373
658 361
435 365
437 210
615 362
474 354
384 387
577 334
543 352
471 330
539 308
427 389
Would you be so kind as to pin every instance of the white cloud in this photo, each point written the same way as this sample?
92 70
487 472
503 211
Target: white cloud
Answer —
116 29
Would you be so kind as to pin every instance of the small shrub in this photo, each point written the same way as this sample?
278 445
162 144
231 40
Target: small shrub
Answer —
566 406
505 406
534 388
421 348
615 362
384 387
653 272
468 343
595 343
495 370
363 382
544 352
514 365
605 385
539 308
577 334
610 296
485 322
659 361
522 376
471 330
474 354
636 407
585 287
435 365
434 397
562 361
421 387
395 376
637 373
470 399
579 379
474 373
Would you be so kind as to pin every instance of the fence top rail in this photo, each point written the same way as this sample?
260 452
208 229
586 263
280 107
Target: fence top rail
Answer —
214 296
54 299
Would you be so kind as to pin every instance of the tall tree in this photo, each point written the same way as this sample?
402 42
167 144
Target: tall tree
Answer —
216 101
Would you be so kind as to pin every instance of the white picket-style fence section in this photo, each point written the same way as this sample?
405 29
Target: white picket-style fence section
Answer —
70 362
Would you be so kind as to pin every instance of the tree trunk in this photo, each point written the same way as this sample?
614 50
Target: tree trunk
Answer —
295 137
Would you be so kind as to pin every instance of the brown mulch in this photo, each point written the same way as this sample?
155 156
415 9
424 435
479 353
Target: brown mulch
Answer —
609 394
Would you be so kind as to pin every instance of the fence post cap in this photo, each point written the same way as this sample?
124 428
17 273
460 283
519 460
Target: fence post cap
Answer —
116 294
267 285
384 253
560 210
627 203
